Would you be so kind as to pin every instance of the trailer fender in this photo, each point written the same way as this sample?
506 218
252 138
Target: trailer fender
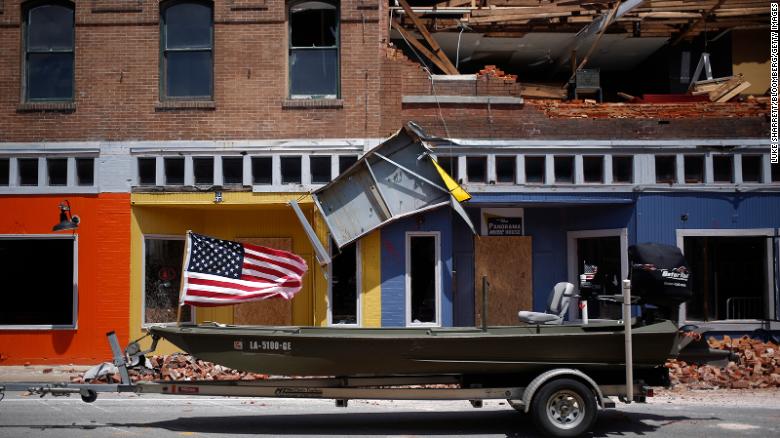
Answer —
545 377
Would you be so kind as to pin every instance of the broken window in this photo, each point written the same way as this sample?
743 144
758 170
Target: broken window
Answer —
262 170
28 171
232 170
314 49
48 51
564 170
38 299
449 164
344 285
423 282
505 169
723 169
593 169
5 167
186 43
476 169
291 170
320 169
665 169
345 161
57 170
162 272
751 168
147 171
623 169
174 170
203 170
534 170
85 171
694 169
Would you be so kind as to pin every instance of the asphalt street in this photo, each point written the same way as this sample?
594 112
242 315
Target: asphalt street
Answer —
165 416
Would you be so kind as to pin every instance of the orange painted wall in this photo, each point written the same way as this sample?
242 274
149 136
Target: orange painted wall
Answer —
103 277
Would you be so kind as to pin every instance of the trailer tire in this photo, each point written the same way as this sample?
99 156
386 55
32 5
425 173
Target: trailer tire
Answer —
88 396
564 408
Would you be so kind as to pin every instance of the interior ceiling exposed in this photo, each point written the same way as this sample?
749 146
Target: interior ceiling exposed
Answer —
537 33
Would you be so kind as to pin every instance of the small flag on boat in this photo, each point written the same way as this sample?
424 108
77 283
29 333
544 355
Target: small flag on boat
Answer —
221 272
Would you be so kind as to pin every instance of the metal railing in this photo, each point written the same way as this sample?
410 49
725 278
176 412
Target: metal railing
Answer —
744 308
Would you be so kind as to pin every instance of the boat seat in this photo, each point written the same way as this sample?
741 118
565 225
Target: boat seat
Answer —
557 306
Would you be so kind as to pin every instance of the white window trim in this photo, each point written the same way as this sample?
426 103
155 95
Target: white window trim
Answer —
358 287
571 257
408 278
145 324
75 324
737 232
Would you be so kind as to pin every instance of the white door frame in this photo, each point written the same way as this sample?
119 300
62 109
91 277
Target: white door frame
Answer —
571 257
408 278
737 232
358 289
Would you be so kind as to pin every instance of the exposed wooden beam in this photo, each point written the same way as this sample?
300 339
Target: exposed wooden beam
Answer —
436 49
698 22
411 39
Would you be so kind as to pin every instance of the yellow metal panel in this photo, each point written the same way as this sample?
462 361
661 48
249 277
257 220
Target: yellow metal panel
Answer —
372 279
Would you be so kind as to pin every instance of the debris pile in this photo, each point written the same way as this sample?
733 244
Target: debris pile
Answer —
758 367
493 71
665 111
173 367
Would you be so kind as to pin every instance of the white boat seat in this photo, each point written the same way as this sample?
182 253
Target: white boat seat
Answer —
557 306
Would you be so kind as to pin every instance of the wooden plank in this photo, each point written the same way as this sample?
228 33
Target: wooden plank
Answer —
698 22
734 92
274 311
725 88
506 261
418 46
542 91
436 49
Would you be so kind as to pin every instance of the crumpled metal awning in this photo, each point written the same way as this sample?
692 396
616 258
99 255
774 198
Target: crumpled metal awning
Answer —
396 179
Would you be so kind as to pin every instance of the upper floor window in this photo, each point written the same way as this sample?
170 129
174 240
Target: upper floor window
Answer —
48 51
186 46
314 50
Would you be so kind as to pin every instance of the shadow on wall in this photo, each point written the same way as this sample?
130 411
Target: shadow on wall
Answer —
61 340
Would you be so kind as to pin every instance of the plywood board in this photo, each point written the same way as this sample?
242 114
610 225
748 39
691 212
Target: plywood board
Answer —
274 311
506 261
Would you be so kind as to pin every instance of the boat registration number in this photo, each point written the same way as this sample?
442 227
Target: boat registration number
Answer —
265 345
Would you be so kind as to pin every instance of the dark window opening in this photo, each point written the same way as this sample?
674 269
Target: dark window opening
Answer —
48 45
174 171
723 168
187 49
343 283
28 171
751 168
476 169
85 171
665 169
593 169
233 170
598 268
203 170
314 49
623 169
423 278
32 298
564 170
291 170
534 170
57 170
449 164
162 270
262 168
505 169
345 161
694 169
5 171
320 169
729 278
775 172
147 171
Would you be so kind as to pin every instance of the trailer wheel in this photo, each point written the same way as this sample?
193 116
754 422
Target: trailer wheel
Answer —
564 408
88 396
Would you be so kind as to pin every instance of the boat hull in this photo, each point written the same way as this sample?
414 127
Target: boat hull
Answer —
314 351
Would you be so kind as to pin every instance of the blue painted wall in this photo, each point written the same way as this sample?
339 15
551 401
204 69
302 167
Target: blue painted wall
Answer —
393 251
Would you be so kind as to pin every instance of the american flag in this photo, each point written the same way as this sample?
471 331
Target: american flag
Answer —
220 272
589 271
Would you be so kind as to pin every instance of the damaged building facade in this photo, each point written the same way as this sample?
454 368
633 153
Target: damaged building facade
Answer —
157 117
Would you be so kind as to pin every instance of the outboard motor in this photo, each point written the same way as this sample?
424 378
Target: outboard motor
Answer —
660 278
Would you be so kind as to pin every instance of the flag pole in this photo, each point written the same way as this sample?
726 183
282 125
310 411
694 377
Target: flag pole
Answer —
184 262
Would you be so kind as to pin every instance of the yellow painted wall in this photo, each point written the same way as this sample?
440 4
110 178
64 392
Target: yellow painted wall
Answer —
750 57
370 265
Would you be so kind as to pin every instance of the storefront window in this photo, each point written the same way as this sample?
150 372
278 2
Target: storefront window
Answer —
162 279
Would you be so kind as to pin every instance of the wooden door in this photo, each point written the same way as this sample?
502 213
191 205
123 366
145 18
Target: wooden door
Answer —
506 261
273 311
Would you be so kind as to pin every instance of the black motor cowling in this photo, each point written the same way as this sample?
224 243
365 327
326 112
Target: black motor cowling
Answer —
659 275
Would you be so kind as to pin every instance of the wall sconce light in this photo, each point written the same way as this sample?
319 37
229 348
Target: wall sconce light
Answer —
67 220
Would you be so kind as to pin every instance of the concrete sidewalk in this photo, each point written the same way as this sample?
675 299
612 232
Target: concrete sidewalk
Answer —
41 373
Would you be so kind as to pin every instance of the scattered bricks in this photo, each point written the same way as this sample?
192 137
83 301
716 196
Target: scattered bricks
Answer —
47 370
